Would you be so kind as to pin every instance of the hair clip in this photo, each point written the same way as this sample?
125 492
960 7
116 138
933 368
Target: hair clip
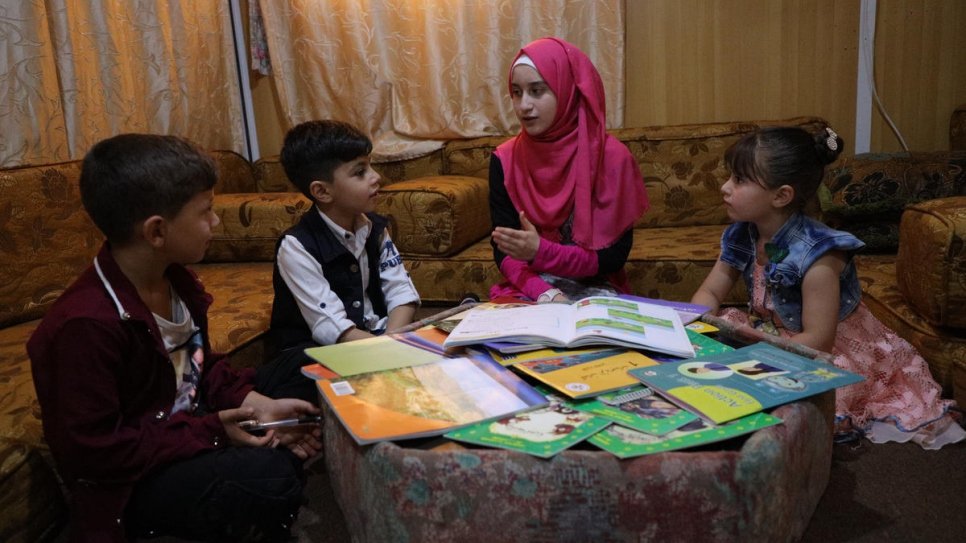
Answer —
831 141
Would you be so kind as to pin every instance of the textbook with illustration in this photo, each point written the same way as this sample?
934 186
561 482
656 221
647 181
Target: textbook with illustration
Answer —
730 385
542 432
597 320
586 374
426 400
626 443
638 408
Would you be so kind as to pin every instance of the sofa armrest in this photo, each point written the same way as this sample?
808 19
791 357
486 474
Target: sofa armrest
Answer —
436 216
931 264
251 224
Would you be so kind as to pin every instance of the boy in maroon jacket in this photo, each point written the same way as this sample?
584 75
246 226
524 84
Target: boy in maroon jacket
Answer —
141 417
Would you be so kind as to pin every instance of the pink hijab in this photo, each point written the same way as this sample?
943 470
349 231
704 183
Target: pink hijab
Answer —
574 166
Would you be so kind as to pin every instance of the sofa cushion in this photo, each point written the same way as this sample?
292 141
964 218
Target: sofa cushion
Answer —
943 351
235 173
242 307
46 238
869 191
252 223
436 216
931 264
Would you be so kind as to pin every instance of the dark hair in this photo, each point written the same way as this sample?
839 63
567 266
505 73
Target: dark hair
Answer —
785 155
130 177
314 149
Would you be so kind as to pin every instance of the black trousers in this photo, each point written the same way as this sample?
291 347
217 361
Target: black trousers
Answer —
231 494
235 493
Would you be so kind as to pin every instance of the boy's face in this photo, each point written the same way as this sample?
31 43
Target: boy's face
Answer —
354 188
188 234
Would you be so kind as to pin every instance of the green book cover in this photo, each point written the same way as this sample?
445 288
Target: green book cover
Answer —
651 414
542 432
626 443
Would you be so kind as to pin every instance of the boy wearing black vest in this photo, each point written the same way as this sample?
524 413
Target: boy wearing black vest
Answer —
338 276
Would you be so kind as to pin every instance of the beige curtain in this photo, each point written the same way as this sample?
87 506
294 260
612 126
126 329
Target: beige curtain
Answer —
412 73
80 71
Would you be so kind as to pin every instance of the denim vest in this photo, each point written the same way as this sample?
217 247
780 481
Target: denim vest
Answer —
805 240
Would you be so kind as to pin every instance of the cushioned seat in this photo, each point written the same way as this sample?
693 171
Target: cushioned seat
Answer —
766 490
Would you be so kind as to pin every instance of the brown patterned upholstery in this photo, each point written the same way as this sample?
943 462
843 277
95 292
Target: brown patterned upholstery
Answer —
931 266
945 351
865 195
235 173
46 238
251 224
436 216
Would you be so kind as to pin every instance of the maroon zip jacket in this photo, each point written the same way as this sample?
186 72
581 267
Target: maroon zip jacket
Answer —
106 387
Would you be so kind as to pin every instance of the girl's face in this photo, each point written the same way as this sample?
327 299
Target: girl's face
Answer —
533 101
746 200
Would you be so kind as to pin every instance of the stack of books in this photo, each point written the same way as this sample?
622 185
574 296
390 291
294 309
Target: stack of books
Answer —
623 374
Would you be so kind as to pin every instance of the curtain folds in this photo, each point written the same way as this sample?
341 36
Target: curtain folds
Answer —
414 73
78 72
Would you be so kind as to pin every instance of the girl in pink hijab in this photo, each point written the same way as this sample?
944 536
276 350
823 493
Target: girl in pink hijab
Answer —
564 194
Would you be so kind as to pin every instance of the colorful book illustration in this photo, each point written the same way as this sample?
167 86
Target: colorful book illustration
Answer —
426 400
703 346
640 409
626 443
687 311
597 320
728 386
542 432
545 353
586 374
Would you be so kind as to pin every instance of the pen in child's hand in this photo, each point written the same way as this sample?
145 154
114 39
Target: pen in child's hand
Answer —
253 426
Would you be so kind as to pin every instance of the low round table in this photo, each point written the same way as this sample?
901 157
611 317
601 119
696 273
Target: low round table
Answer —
766 490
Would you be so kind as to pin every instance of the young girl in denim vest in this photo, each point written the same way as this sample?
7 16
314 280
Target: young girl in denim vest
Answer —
802 284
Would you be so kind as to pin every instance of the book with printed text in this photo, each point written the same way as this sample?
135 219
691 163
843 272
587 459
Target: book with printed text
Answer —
426 400
381 353
586 374
728 386
597 320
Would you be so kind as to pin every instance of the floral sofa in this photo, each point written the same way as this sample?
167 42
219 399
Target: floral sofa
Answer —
438 210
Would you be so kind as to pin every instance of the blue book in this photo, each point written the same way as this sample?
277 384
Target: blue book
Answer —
727 386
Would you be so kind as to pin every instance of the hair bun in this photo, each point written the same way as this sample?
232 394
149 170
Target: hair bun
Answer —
828 145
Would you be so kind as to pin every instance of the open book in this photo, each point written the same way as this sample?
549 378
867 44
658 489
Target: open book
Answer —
597 320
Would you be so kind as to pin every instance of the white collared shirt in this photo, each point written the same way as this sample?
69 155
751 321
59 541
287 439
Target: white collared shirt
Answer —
321 308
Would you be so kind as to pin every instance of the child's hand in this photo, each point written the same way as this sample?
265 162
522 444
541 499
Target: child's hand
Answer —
303 440
239 437
520 244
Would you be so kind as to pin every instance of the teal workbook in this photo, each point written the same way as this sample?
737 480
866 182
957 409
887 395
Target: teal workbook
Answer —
626 443
728 386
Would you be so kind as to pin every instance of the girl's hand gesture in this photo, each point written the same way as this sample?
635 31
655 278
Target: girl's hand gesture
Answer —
519 244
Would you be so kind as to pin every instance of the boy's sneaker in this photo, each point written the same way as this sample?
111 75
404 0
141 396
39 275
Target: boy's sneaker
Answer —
470 298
